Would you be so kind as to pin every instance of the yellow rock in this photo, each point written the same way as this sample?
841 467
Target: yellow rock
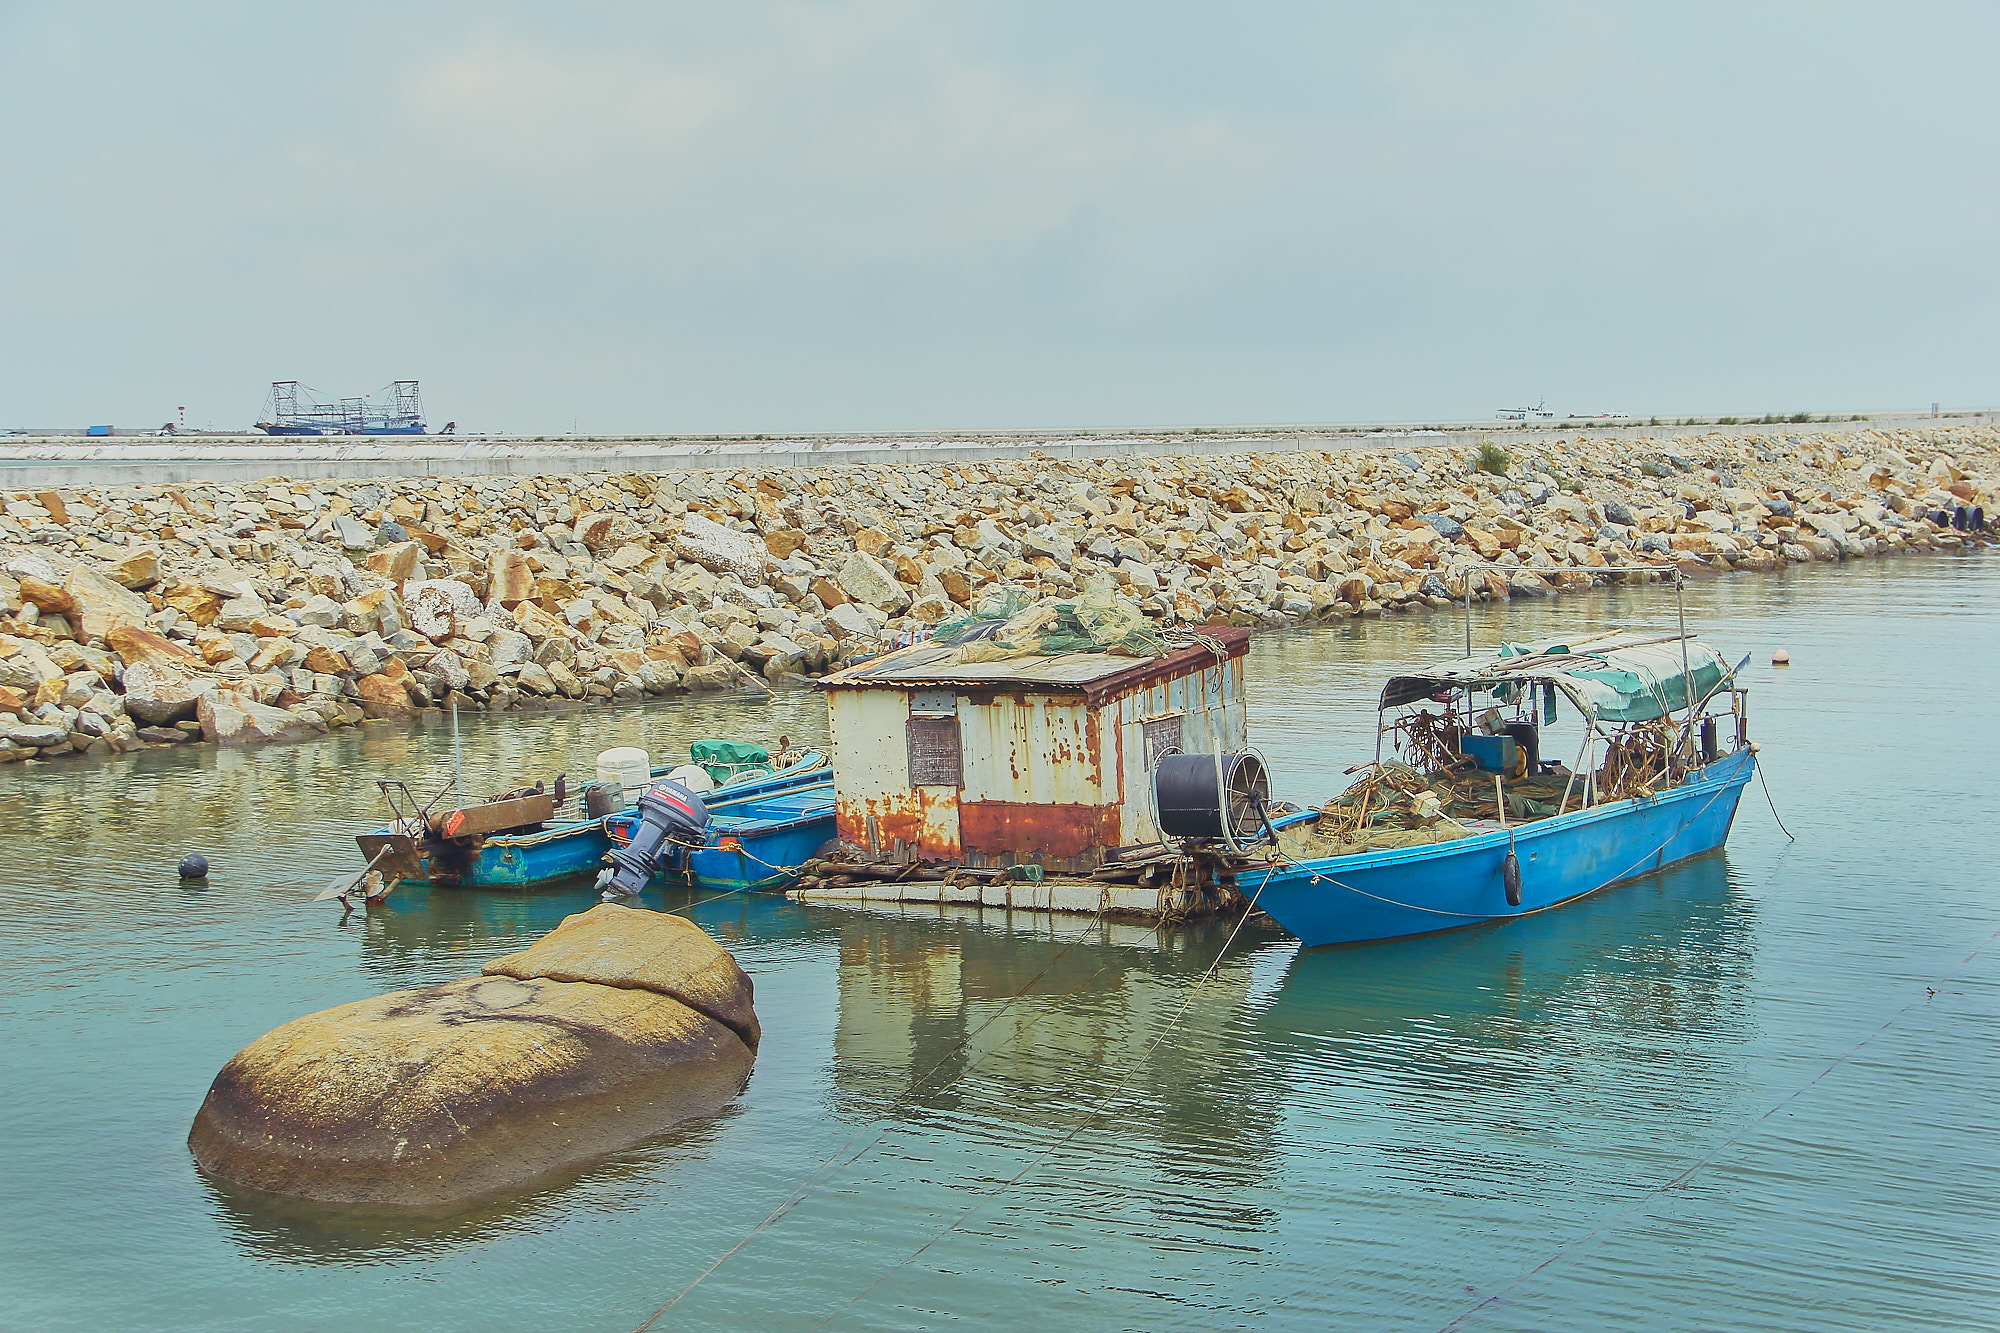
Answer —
435 1097
396 562
620 946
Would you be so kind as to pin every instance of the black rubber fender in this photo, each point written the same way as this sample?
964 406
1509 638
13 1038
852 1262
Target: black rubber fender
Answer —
1510 877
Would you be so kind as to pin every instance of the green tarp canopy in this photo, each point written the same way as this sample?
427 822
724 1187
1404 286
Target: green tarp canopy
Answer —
723 760
1610 682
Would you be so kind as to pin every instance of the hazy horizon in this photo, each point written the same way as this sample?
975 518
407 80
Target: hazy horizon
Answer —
794 218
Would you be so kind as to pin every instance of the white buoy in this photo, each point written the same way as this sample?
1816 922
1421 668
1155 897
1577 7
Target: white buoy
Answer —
1781 658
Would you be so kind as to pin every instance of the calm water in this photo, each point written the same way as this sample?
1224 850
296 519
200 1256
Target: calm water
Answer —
1479 1127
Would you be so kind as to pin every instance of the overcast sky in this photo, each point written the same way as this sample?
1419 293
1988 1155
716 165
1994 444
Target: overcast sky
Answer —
854 216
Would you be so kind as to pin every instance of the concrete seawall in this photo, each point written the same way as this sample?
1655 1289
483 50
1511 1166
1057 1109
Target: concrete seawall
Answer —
142 460
239 612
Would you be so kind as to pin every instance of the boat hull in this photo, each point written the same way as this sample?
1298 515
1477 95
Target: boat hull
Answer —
507 861
758 838
526 860
1443 886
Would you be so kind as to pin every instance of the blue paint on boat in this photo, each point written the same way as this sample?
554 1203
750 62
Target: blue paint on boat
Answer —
526 860
1441 886
760 832
774 815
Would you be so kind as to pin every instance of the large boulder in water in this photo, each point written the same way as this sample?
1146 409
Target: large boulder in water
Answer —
614 1027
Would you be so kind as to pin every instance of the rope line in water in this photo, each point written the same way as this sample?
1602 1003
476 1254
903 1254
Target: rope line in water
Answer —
1708 1157
1773 804
1082 1123
839 1160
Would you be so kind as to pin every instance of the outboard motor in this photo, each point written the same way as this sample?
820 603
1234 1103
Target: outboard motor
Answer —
672 821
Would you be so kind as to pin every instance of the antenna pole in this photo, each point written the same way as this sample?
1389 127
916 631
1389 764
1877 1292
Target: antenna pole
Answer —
1687 684
1468 613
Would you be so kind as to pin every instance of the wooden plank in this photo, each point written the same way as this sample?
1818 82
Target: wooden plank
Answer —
475 821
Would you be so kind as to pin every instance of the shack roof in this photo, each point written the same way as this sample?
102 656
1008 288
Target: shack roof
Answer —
1095 675
1613 678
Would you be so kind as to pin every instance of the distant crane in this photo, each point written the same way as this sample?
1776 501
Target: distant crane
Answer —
298 410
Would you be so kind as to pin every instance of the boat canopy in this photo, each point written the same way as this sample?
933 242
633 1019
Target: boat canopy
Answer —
1609 682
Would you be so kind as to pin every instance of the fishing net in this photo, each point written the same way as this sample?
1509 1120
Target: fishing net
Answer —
1008 625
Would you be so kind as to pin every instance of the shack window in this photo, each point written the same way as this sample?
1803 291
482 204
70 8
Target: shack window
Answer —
1163 736
934 753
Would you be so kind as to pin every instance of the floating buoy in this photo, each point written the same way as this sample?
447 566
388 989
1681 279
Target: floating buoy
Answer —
1510 875
194 866
1781 658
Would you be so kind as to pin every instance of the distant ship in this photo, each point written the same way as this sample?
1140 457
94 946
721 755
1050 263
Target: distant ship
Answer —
1539 412
299 411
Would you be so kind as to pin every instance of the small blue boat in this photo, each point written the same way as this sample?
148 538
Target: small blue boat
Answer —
1413 847
759 832
515 843
564 849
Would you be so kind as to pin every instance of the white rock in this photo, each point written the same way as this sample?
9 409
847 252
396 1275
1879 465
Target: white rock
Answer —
437 607
31 567
846 621
866 579
721 549
319 610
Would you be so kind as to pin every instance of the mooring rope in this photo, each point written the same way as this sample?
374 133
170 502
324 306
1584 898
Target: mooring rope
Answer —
840 1159
1706 1158
1082 1123
1773 804
1318 878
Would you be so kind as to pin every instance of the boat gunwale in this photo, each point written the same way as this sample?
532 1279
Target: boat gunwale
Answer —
1697 784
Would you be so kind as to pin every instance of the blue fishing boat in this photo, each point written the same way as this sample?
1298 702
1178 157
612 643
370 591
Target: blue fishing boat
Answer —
514 841
517 841
1464 822
747 835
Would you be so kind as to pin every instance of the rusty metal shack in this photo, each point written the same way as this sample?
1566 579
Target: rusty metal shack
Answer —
1025 760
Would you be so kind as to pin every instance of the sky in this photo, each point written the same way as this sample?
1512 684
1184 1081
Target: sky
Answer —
786 218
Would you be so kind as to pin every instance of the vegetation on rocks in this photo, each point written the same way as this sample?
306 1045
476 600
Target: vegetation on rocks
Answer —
243 613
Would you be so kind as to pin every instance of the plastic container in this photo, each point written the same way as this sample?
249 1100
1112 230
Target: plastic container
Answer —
628 767
694 777
1493 754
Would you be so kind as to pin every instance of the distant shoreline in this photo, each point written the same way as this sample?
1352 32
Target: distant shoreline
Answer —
145 459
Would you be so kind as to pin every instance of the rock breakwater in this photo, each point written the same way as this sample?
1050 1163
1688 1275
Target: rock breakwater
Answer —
243 613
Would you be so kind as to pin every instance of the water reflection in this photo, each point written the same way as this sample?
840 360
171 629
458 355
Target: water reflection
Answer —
1656 970
299 1231
929 1026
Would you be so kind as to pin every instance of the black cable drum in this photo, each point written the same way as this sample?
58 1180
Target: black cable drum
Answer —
1190 803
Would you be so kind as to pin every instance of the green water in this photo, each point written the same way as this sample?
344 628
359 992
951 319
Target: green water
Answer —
1645 1111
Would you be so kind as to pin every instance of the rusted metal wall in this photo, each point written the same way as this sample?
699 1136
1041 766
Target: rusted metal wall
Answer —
1207 707
875 806
1044 777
